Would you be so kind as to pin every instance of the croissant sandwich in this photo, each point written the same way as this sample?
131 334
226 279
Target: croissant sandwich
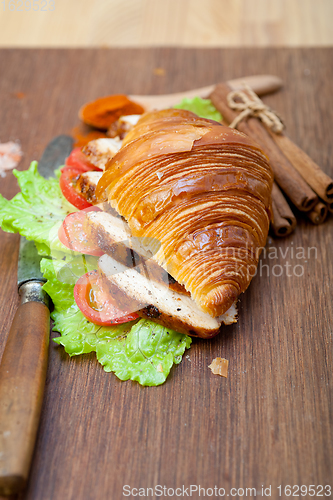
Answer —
196 197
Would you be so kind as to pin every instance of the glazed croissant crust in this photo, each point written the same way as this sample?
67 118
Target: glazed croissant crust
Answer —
199 195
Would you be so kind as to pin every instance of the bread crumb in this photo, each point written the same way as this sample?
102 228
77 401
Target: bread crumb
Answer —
159 71
219 366
160 368
19 95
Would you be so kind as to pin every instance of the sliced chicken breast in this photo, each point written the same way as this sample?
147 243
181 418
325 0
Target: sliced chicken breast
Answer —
86 184
100 151
161 304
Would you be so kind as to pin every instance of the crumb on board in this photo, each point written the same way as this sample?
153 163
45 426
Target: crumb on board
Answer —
159 71
19 95
219 366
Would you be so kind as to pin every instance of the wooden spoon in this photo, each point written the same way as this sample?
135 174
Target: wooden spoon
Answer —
261 84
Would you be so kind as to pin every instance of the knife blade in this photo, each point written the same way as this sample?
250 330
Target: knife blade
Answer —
24 361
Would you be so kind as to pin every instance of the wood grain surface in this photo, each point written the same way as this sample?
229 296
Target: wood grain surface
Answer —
270 422
187 23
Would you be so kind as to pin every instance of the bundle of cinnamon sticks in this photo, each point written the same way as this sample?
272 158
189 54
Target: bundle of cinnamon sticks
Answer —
297 177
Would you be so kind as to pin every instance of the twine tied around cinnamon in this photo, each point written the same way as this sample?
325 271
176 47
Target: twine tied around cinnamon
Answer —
246 101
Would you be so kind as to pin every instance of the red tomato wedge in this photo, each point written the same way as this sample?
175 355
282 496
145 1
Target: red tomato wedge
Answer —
67 182
78 160
94 300
72 233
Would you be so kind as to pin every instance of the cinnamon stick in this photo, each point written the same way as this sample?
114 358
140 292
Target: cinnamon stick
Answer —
320 182
284 221
287 177
318 214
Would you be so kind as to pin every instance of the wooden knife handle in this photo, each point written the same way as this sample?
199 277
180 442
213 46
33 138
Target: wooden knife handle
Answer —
22 379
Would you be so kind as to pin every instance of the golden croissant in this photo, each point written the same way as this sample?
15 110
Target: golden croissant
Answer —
199 195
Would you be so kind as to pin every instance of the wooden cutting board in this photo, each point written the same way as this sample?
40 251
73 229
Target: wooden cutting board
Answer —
269 423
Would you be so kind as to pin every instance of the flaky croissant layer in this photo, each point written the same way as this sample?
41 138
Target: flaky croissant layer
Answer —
199 194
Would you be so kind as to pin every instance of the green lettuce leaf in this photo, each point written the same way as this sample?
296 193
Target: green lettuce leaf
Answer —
201 107
37 211
141 350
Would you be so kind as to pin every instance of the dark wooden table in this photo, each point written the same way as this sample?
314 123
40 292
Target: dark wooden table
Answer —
270 422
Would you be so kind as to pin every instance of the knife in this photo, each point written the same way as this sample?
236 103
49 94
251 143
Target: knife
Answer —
24 361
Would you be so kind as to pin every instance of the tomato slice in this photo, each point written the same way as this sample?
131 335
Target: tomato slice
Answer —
67 182
73 235
78 160
94 300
